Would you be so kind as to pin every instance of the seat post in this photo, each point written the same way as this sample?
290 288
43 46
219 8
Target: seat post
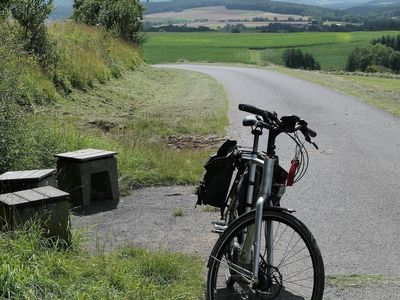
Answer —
256 132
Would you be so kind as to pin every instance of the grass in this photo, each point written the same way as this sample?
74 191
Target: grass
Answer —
178 212
101 56
359 280
376 89
331 49
30 269
132 115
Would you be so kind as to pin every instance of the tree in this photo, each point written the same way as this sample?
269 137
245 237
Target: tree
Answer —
4 7
87 11
123 17
295 59
31 15
395 63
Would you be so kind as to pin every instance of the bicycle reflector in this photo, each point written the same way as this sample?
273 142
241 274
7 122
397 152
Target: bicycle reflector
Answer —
292 172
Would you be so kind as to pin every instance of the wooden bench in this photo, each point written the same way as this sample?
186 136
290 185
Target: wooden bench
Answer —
46 204
22 180
88 174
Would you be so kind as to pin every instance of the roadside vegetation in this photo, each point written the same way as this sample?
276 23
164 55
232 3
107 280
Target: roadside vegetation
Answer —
67 86
33 270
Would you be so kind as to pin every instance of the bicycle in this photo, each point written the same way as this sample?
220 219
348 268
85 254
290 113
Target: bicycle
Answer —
263 251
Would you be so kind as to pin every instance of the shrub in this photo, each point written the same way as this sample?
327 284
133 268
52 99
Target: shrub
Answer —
123 17
4 6
295 59
373 59
31 15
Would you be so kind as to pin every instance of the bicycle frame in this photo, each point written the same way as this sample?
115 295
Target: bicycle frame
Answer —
254 234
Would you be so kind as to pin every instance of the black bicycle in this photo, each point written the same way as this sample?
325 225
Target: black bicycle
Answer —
263 251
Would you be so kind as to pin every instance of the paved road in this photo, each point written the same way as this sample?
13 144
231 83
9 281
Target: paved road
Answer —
350 196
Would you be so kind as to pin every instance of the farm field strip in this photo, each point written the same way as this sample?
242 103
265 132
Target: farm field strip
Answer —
331 49
217 13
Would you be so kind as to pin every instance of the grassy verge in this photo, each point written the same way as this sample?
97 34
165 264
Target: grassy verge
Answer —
331 49
30 269
133 115
360 280
382 92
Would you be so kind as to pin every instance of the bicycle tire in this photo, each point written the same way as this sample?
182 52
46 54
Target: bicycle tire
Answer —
290 265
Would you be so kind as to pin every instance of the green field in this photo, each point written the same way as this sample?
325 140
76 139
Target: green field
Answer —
331 49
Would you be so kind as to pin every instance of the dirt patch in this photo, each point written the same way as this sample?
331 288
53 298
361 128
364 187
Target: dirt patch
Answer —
103 125
192 142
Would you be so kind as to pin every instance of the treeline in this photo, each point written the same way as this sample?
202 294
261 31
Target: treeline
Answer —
389 41
176 28
368 25
381 56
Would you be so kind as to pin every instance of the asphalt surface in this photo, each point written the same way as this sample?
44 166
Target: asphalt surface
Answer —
349 198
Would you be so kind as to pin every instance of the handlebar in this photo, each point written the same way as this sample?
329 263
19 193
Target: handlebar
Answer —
287 124
251 109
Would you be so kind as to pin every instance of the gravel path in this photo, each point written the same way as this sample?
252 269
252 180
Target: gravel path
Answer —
146 218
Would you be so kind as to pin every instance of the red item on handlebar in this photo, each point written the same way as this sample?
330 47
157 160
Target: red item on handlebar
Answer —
292 172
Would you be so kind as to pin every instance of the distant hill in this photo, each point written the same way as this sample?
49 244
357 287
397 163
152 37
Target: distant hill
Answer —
269 6
381 2
376 8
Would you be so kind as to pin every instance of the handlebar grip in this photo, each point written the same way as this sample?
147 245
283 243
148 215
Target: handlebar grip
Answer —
311 133
251 109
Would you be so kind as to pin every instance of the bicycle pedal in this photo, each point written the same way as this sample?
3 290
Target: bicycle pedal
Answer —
219 227
219 223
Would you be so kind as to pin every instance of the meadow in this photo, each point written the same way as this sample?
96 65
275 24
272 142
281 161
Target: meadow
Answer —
331 49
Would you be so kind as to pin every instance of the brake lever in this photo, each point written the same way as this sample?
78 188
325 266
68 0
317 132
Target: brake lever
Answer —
308 139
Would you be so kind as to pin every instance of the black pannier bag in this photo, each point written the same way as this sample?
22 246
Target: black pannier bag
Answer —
213 188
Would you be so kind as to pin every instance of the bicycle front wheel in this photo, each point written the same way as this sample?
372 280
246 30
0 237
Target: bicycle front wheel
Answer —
291 265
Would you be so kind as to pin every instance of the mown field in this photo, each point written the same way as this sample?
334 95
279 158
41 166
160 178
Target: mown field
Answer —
331 49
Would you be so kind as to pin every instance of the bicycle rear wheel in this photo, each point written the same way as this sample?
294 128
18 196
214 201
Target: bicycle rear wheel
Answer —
292 270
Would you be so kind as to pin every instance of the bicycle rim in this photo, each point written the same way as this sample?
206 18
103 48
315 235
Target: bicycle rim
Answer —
292 270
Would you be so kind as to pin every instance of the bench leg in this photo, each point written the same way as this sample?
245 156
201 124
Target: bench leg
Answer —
86 186
113 175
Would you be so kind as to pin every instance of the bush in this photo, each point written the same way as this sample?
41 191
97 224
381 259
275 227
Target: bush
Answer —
295 59
4 6
31 15
368 59
123 17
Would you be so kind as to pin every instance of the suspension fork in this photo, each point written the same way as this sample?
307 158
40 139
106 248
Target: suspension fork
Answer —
254 232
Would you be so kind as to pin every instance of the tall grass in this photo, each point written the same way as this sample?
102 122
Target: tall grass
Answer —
144 108
31 269
89 55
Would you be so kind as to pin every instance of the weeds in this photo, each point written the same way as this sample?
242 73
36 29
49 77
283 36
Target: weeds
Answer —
31 269
178 212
